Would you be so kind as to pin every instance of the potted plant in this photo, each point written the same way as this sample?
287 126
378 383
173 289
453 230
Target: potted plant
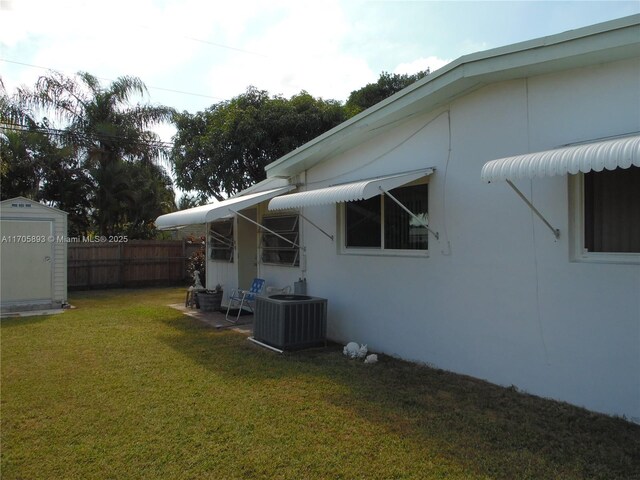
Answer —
211 300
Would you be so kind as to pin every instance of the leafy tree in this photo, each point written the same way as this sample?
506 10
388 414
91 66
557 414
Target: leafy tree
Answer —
224 149
21 169
18 160
189 201
372 93
35 164
114 151
152 196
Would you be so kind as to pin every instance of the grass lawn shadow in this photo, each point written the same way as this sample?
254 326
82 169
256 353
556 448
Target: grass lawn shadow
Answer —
473 425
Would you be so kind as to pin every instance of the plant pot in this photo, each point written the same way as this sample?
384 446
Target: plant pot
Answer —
210 301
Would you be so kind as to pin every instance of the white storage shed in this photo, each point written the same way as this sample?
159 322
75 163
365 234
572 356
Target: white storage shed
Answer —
33 255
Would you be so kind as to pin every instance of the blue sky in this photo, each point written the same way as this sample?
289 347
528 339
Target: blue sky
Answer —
211 51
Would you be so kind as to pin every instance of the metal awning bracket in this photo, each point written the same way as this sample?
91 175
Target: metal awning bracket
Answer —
321 230
267 229
413 215
556 231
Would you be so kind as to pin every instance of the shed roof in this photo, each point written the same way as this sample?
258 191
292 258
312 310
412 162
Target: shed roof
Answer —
28 201
601 43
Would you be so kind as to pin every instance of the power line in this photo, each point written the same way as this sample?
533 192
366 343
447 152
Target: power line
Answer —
111 80
16 127
199 40
225 46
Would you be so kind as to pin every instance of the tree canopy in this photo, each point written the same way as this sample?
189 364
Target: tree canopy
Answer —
88 150
224 149
101 165
372 93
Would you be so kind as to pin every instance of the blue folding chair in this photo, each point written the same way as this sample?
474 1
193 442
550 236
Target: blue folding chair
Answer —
244 298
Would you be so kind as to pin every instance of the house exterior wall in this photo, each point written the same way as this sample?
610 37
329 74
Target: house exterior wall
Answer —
221 272
498 296
55 223
278 276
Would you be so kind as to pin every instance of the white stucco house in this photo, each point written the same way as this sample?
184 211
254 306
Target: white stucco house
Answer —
484 220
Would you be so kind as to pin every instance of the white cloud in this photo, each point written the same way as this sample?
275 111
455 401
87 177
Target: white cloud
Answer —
326 76
302 51
87 36
284 47
432 63
142 38
216 49
468 46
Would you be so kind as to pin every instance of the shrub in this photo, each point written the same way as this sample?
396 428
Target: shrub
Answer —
197 262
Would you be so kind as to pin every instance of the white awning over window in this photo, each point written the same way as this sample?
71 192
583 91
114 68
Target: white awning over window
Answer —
215 211
346 192
608 154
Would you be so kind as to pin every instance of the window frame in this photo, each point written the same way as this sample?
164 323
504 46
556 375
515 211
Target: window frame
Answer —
294 232
577 230
381 251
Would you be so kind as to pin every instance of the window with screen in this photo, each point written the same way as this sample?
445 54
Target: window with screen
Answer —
612 211
379 223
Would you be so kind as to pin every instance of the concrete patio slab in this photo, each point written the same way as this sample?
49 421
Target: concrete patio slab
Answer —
217 319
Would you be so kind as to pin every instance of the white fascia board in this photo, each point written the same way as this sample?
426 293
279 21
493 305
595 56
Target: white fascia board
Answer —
267 184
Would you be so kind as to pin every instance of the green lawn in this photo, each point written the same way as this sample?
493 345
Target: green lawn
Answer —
126 387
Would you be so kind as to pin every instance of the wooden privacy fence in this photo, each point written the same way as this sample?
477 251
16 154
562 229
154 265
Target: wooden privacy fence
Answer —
135 263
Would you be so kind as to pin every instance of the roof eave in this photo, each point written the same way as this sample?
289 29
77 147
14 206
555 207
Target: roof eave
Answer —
600 43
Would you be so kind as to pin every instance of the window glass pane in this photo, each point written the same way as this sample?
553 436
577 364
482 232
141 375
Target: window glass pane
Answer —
270 240
401 230
362 223
281 257
612 210
281 224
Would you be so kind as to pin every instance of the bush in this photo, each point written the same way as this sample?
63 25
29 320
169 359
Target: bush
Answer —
197 262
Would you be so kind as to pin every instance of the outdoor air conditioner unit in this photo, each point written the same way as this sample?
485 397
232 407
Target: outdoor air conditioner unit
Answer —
290 322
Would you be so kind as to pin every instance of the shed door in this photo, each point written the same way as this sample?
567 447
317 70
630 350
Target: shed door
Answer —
26 262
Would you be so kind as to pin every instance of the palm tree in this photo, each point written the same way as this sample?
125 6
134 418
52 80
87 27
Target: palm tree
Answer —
36 164
153 196
18 161
108 133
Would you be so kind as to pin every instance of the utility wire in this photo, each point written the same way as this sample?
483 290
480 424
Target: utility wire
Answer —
15 127
111 80
200 40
